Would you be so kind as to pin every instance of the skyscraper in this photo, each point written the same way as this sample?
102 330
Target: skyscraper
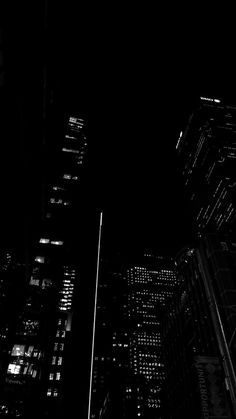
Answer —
199 334
140 293
207 156
151 284
36 378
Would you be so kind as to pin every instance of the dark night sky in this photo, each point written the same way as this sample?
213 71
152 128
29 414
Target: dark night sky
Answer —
136 72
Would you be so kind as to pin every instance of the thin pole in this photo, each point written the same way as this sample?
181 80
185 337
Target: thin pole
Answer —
94 314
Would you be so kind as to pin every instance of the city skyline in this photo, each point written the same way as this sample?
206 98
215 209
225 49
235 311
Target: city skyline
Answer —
117 239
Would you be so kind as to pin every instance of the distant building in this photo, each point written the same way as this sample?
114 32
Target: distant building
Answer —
12 289
140 293
199 334
207 156
36 376
109 324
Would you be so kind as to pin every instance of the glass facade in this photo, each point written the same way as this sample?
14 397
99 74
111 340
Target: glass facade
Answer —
207 155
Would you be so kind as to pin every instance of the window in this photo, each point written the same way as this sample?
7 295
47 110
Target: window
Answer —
55 393
40 259
51 376
58 376
13 369
57 242
18 350
43 240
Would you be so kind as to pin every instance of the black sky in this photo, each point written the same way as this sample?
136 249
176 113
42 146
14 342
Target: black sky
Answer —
136 72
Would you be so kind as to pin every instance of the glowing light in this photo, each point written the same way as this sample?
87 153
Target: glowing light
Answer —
209 99
39 259
57 242
180 136
44 240
71 137
18 350
13 369
70 150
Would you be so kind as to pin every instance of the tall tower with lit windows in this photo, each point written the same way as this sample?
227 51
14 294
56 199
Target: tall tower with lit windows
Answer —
129 359
151 284
207 155
36 375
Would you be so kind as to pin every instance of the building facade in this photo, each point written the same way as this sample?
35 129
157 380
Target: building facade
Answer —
140 294
36 378
197 345
207 156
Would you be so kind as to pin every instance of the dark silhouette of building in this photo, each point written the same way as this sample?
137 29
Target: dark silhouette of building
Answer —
198 333
36 380
128 369
207 155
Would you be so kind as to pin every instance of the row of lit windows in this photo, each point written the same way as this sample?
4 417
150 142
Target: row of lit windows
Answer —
68 176
65 302
48 241
71 150
58 346
44 283
59 201
54 376
18 367
52 392
25 351
57 360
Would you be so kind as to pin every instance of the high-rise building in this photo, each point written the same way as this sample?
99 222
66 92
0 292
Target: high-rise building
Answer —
37 379
140 293
199 333
151 284
207 155
109 324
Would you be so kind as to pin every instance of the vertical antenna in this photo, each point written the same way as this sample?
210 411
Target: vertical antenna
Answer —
94 314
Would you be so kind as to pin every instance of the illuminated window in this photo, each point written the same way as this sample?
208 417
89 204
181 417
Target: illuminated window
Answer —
29 351
55 393
42 240
70 150
51 376
46 283
49 392
13 369
18 350
57 242
58 376
59 360
54 360
40 259
34 281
